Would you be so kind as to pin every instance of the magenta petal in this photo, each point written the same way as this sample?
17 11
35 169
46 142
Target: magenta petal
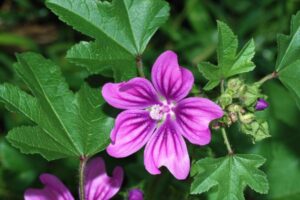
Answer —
132 131
135 194
167 148
193 116
54 189
172 81
137 93
99 186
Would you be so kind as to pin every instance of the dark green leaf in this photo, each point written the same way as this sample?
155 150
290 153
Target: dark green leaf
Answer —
122 28
289 45
97 57
289 76
231 174
66 123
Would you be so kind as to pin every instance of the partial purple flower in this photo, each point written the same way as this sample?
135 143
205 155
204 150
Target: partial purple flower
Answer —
135 194
157 115
54 189
261 104
98 185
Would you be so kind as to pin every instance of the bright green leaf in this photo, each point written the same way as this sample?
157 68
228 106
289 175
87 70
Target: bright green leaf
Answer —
289 76
230 63
231 175
122 29
66 123
289 45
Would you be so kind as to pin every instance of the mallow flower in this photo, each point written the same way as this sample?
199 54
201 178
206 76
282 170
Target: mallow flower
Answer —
158 115
98 185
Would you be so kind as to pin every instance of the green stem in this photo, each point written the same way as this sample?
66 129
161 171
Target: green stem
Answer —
267 77
226 141
224 134
139 64
222 86
83 161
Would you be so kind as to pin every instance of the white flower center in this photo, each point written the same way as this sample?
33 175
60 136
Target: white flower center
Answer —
160 112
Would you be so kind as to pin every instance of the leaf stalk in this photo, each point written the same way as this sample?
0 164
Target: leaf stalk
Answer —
226 141
267 77
82 165
139 64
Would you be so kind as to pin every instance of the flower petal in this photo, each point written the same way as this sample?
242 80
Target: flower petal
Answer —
132 131
166 148
54 189
193 116
137 93
172 81
135 194
99 186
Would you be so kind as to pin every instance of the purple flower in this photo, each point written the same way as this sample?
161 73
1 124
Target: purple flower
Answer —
159 117
261 104
135 194
98 186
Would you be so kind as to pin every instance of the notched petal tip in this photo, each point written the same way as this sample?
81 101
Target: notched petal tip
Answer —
172 81
166 148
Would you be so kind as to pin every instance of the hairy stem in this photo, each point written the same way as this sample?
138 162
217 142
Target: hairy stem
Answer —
267 77
226 141
222 86
224 134
139 64
83 161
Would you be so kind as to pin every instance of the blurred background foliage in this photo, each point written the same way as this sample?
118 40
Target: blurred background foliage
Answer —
191 31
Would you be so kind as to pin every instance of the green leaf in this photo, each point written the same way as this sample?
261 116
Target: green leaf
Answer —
97 57
121 28
32 140
289 76
231 174
66 123
230 63
257 130
289 45
93 124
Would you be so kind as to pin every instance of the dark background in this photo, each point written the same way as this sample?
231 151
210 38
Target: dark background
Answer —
190 31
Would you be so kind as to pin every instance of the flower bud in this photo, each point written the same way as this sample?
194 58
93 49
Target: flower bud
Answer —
261 104
234 108
135 194
233 116
234 84
247 118
225 100
250 95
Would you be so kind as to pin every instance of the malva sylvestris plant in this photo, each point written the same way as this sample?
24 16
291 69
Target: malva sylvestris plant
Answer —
158 115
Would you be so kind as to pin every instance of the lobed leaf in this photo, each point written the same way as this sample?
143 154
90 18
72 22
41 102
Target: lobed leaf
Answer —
231 174
122 29
66 123
230 63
